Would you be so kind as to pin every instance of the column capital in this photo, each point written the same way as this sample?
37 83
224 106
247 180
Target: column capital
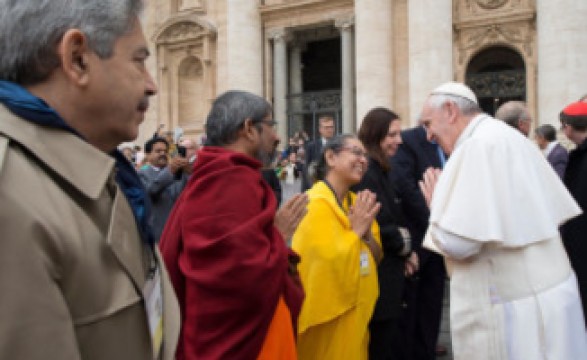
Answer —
345 23
279 34
298 45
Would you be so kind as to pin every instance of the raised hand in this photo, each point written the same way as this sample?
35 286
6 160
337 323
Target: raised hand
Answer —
289 216
177 163
363 211
428 183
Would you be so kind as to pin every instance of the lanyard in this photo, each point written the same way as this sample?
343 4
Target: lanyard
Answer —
348 196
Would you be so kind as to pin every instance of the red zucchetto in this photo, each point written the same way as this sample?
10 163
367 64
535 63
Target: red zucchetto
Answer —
575 114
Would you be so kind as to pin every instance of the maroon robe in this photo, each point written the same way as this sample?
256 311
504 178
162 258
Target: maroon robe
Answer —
228 263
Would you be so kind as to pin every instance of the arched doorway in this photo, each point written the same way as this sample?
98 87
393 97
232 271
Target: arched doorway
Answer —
320 78
496 75
192 103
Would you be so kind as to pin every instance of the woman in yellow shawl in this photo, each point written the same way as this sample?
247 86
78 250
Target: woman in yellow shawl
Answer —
338 241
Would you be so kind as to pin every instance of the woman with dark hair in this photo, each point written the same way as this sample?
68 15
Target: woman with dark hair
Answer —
380 134
338 241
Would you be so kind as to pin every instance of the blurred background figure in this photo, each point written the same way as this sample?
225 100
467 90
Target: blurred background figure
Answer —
164 180
313 148
139 156
270 162
380 134
289 174
339 243
127 149
516 115
191 149
555 153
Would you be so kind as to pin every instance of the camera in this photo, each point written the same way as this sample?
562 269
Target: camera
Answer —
181 151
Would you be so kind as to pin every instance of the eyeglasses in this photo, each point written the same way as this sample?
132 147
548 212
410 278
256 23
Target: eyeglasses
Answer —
270 123
563 125
356 151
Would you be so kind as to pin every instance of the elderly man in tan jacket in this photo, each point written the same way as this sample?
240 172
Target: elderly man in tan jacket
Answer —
79 273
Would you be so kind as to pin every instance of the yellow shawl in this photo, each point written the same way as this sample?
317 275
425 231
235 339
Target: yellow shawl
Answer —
330 265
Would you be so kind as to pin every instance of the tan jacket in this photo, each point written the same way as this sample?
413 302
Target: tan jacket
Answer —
72 265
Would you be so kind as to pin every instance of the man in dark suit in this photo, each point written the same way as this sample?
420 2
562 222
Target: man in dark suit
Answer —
163 180
314 148
574 126
424 293
555 153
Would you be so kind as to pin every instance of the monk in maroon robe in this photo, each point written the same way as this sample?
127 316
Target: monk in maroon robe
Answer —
225 250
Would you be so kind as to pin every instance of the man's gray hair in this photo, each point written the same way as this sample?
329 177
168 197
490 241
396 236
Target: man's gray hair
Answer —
228 114
512 112
466 106
31 30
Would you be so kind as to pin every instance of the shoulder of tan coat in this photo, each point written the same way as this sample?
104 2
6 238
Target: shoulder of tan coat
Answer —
4 141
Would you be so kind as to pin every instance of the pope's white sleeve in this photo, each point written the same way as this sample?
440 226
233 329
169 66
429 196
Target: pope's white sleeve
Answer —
455 246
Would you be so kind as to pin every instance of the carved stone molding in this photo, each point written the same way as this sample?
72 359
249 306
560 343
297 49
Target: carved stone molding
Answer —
518 35
279 34
196 5
180 32
344 23
491 4
499 10
183 28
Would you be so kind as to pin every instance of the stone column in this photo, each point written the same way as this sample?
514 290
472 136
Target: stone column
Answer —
374 60
430 49
279 37
295 82
346 37
562 56
244 46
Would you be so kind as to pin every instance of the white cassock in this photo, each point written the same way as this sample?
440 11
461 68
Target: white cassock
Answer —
494 216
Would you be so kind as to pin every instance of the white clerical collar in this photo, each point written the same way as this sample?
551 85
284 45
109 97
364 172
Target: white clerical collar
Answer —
470 129
549 148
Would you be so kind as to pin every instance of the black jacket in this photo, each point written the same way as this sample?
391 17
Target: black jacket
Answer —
413 157
574 232
391 268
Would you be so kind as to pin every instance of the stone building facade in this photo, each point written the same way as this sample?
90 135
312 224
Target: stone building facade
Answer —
343 57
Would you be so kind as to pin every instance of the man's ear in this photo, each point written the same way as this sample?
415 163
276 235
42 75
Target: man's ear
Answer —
249 130
74 53
451 111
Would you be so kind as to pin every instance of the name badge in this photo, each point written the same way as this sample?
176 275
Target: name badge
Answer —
364 261
154 305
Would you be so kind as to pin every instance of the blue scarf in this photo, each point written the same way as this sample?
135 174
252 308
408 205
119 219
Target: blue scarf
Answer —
31 108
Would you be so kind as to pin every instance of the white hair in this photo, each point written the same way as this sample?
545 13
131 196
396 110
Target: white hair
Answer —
466 106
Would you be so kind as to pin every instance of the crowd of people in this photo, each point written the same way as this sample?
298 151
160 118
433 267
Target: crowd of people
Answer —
174 251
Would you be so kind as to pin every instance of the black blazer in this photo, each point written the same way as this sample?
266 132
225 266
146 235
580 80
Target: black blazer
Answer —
413 157
391 268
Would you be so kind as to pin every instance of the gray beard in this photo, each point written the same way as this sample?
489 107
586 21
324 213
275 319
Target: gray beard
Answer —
265 158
